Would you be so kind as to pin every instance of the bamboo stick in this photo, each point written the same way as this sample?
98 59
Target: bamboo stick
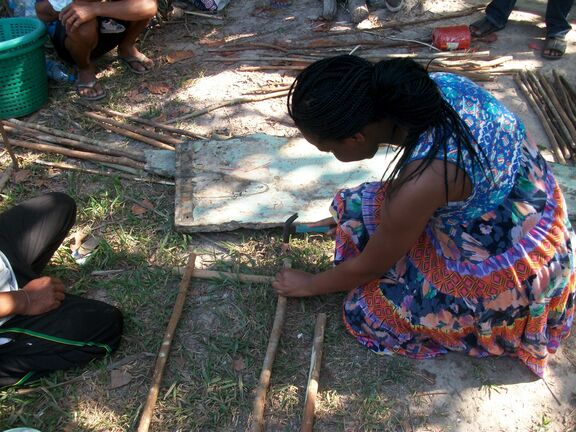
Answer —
8 146
557 106
519 79
165 347
555 116
147 122
134 154
236 101
50 148
133 135
567 103
314 374
167 139
67 142
72 167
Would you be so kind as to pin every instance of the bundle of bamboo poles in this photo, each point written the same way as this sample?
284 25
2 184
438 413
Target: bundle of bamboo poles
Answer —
554 102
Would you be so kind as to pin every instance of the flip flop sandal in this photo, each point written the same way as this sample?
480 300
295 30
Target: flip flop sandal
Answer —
394 5
89 85
483 27
554 44
137 59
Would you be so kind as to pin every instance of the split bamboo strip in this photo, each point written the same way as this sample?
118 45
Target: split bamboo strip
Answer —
314 374
67 142
132 135
72 167
134 154
166 139
147 122
520 82
49 148
165 347
238 101
555 115
211 274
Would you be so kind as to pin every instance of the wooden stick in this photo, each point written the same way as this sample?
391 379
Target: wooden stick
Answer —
203 15
62 165
134 154
127 133
8 146
29 132
207 274
147 122
49 148
313 374
237 101
567 103
165 347
532 102
264 382
156 136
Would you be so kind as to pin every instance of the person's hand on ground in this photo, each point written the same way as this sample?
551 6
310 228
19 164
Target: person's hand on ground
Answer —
293 283
76 14
44 294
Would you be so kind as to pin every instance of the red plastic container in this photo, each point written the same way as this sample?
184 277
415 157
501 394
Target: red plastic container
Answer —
451 38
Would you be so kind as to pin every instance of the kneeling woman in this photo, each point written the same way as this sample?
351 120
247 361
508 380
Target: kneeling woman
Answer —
467 246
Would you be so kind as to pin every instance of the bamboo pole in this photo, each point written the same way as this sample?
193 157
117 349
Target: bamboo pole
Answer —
134 154
567 103
519 79
313 374
72 167
133 135
49 148
167 139
236 101
165 347
147 122
8 146
67 142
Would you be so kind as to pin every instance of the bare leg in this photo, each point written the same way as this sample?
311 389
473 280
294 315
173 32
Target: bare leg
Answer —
80 44
127 48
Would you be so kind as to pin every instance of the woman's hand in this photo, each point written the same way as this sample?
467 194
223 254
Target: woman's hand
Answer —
293 283
76 14
327 222
43 295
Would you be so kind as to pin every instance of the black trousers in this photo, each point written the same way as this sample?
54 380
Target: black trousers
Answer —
77 332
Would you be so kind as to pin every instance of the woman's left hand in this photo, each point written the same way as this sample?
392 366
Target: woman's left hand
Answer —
293 283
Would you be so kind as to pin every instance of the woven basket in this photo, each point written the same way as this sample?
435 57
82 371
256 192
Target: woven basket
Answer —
24 85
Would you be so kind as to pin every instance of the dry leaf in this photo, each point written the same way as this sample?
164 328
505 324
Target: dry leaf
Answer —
138 210
157 88
20 175
119 378
177 56
238 364
136 96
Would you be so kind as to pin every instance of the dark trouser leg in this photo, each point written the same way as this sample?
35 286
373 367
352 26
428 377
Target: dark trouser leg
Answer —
31 232
557 23
79 331
498 11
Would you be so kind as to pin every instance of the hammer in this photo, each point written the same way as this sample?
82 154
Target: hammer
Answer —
290 228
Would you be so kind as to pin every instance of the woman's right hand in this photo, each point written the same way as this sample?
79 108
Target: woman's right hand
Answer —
43 295
327 222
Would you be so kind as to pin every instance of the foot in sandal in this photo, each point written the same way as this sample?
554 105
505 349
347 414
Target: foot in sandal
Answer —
554 47
87 87
483 27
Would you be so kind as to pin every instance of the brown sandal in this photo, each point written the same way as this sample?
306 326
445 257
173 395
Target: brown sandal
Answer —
554 44
483 27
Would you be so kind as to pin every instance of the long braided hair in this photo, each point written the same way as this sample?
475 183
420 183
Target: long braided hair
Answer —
335 98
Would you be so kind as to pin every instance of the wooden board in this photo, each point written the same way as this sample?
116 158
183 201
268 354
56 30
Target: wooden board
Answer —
258 181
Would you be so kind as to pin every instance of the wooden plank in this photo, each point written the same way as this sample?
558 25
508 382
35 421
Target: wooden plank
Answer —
259 180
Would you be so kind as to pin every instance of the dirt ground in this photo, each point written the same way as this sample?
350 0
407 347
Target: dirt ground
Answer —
198 65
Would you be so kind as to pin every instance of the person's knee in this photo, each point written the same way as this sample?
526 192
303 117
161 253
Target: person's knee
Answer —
63 202
85 35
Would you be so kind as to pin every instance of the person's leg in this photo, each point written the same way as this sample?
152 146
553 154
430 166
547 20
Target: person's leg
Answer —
79 331
557 27
129 53
497 13
31 232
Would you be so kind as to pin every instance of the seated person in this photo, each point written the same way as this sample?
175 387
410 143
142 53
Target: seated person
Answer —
43 329
82 31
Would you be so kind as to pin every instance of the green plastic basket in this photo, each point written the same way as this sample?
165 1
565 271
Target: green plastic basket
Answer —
23 81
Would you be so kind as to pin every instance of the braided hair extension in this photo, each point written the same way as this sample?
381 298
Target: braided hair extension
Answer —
335 98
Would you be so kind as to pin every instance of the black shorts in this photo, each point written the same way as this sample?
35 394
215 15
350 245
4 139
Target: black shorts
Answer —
106 41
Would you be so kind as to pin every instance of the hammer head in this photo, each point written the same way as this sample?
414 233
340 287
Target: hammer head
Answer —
288 228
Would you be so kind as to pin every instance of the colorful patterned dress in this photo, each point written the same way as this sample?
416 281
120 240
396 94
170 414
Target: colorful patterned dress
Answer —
492 275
